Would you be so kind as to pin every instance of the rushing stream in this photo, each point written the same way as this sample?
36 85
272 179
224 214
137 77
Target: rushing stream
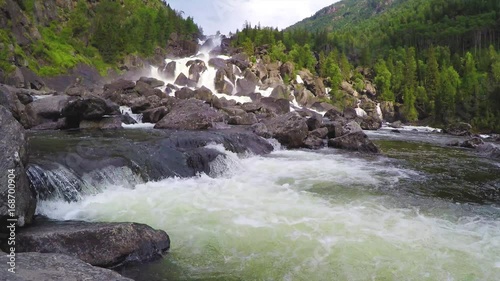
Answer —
420 211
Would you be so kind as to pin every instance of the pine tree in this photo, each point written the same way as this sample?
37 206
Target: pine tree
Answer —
383 81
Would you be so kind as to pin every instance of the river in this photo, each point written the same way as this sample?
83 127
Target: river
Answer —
418 211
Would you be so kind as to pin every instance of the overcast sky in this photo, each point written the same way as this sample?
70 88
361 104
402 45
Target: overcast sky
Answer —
228 15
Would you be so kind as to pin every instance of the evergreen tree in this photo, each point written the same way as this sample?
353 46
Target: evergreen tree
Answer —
383 81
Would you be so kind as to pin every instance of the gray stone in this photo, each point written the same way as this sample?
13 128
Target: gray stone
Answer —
14 157
100 244
357 141
50 267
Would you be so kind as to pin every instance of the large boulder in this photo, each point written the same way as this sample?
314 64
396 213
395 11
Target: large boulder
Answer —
245 119
240 60
221 84
280 92
275 106
247 84
190 115
489 150
287 69
152 82
88 108
370 123
196 68
185 93
50 267
100 244
290 129
106 123
13 177
167 71
356 141
45 110
154 115
458 129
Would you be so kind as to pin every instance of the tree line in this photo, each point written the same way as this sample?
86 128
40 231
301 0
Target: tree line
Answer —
438 59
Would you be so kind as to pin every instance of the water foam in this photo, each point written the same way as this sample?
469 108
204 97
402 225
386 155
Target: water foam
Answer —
297 215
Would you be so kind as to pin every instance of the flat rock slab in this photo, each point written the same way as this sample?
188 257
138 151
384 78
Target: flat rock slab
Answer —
100 244
50 267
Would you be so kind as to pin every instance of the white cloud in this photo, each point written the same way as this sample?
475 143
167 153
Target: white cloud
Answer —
229 15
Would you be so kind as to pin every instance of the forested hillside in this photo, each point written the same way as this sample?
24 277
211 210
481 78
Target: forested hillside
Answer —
344 13
51 36
438 60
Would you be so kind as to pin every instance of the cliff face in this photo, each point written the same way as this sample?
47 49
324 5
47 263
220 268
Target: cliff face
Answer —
52 37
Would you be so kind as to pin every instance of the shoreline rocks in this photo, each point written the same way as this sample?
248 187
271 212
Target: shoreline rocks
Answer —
50 267
14 153
99 244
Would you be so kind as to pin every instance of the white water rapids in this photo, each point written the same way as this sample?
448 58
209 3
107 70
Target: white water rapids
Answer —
298 215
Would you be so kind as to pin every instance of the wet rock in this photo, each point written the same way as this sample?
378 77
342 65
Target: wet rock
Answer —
458 129
357 141
182 80
489 150
77 91
247 85
370 123
261 130
275 106
315 122
350 113
313 142
49 267
14 159
139 104
221 85
154 115
100 244
333 114
217 63
251 107
106 123
196 69
185 93
88 108
167 71
24 98
319 133
396 125
287 69
59 124
241 61
190 115
203 94
289 129
46 110
127 119
152 82
322 106
120 85
280 92
304 97
245 119
388 111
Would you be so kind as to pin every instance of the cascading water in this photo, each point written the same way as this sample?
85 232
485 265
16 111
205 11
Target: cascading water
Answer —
301 215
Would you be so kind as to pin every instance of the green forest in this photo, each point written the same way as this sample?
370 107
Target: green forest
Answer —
438 59
96 33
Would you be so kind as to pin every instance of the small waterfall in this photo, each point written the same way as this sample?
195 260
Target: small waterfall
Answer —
125 110
62 183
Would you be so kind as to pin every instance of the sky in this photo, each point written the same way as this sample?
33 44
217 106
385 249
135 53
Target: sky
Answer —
228 15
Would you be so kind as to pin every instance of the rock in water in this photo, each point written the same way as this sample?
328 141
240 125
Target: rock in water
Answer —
190 115
357 141
49 267
14 158
290 129
100 244
459 129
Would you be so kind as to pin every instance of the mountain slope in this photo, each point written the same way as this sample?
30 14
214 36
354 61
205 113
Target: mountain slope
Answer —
52 36
344 13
